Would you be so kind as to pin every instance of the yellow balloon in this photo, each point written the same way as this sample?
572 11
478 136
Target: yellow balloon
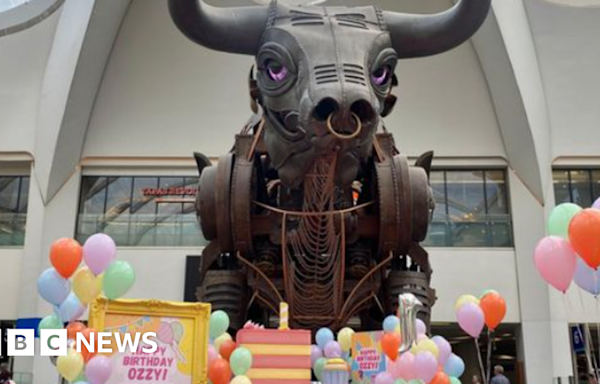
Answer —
86 286
345 338
71 365
241 380
221 339
465 299
428 345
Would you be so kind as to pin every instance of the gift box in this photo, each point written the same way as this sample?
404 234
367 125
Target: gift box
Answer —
278 356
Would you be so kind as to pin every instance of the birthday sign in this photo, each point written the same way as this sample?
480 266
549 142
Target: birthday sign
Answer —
368 359
181 333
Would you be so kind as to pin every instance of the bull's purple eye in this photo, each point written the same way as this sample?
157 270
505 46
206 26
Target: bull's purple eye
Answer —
277 71
381 76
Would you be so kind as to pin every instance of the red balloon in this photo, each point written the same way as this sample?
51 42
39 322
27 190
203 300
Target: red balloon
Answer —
440 378
65 256
73 329
584 233
494 309
219 372
85 352
227 348
390 343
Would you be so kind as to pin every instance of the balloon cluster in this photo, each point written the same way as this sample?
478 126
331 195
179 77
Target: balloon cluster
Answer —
70 288
429 361
571 252
328 348
473 313
227 363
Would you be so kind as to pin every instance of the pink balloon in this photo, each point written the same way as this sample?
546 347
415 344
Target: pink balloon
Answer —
556 261
421 337
445 349
406 366
98 370
384 378
315 354
421 327
165 333
212 354
426 366
471 319
596 204
98 252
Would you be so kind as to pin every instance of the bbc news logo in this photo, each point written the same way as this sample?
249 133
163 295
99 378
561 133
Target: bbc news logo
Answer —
54 342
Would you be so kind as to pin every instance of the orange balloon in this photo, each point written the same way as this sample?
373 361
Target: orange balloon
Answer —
73 329
494 309
390 343
65 256
219 372
584 233
440 378
85 352
227 348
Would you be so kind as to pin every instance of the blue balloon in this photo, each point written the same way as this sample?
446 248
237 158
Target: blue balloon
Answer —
455 366
52 287
391 323
71 309
587 278
324 336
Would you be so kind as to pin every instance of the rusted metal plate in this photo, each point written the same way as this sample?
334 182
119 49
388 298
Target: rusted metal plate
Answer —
223 202
206 203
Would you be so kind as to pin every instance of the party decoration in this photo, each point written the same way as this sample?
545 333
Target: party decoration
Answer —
52 287
583 233
71 365
455 366
319 368
486 292
98 370
333 350
494 309
345 338
240 361
221 339
421 327
586 278
560 218
87 335
391 323
50 322
444 348
400 381
284 316
425 366
406 366
416 381
219 323
428 345
596 204
73 329
440 378
118 279
219 371
99 252
368 357
410 326
390 343
324 336
241 380
315 354
71 309
556 261
471 319
454 380
465 299
336 371
212 354
384 378
86 286
226 349
65 256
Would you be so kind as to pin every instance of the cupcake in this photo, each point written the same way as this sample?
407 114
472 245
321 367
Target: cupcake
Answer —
336 372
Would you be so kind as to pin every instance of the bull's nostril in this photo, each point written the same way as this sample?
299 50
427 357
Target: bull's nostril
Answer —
363 110
325 108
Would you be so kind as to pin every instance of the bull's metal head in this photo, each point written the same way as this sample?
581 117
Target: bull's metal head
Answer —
324 73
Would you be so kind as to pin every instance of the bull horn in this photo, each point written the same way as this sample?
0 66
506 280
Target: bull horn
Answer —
233 30
425 35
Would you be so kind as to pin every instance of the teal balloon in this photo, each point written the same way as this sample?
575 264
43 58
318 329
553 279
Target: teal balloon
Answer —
400 381
50 322
486 292
560 218
219 324
240 361
319 367
119 277
455 380
416 381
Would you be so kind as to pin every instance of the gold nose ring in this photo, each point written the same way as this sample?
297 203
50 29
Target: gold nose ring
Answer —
341 136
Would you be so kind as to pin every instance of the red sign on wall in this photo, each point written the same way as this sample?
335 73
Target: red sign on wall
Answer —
174 191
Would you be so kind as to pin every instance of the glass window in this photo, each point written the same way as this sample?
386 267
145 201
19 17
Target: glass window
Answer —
579 186
140 211
14 196
471 209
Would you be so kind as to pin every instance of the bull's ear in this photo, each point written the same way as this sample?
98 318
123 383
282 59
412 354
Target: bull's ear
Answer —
388 105
424 161
202 162
254 91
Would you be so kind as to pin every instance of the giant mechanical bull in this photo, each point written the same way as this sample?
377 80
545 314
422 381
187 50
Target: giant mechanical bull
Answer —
314 205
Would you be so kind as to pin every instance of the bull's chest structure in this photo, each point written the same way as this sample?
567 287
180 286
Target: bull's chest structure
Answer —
314 205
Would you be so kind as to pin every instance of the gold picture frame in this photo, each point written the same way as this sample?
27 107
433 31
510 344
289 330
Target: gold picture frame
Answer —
199 313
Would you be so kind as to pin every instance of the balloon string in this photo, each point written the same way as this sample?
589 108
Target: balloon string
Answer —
489 355
481 368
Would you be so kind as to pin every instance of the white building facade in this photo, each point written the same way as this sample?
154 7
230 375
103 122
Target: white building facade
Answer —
103 102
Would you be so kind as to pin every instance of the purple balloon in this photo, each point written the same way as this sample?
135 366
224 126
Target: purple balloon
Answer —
596 204
333 350
71 309
586 278
471 319
421 327
315 354
98 252
384 378
444 347
98 370
426 366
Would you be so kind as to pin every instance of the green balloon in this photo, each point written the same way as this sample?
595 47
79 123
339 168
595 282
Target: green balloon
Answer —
118 279
319 367
486 292
560 218
400 381
50 322
177 330
454 380
240 361
219 324
416 381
